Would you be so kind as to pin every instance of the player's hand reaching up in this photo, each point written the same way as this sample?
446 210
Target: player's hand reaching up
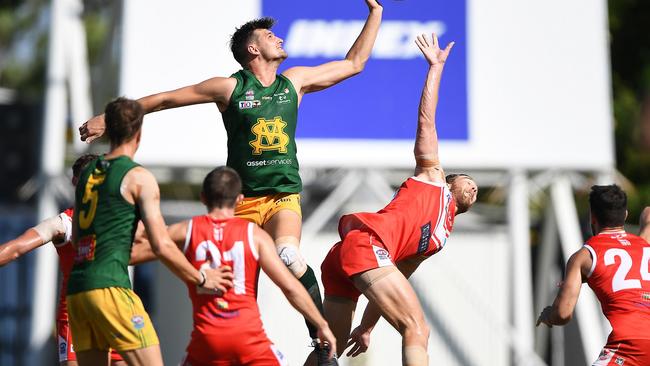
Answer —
431 50
93 129
218 279
374 4
359 340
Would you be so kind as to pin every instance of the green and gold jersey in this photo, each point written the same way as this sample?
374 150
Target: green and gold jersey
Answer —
105 224
261 126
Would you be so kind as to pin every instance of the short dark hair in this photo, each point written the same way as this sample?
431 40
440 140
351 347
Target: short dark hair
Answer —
81 163
123 119
242 36
450 178
221 187
608 204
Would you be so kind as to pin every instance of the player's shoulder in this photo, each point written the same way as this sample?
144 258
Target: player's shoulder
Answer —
424 181
140 175
637 239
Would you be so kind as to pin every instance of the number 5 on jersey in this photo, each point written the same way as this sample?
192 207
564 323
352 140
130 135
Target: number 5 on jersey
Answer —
620 281
91 196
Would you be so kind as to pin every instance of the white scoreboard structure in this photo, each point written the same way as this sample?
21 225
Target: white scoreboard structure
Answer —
527 84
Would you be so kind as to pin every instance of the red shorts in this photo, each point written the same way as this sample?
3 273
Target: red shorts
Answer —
65 347
235 347
359 251
633 352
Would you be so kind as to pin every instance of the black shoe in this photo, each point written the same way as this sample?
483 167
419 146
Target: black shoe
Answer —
321 355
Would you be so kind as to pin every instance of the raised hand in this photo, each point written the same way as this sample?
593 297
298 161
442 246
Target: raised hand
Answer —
373 4
92 129
359 340
431 51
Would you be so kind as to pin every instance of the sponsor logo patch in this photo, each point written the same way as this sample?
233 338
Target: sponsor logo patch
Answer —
222 304
619 361
248 104
138 322
425 236
282 99
382 256
63 349
85 249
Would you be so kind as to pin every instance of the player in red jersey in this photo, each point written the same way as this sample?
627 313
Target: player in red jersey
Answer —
227 326
616 265
379 251
58 230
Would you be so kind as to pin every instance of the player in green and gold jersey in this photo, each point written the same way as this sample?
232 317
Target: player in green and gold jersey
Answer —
112 195
259 108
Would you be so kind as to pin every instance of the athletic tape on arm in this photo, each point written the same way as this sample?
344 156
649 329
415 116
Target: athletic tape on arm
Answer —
49 229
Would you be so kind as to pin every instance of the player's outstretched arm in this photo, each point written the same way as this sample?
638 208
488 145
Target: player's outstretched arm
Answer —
310 79
144 188
644 224
561 312
426 138
48 230
13 249
292 289
214 90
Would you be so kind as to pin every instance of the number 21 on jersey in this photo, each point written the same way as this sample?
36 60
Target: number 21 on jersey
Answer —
620 280
234 255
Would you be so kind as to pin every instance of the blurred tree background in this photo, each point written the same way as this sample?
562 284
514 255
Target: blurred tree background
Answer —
23 54
629 24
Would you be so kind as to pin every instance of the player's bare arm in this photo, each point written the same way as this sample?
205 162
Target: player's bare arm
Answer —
141 251
215 90
52 229
426 139
561 311
142 189
644 224
311 79
292 289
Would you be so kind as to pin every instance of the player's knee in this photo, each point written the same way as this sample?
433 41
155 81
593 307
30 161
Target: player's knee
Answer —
413 326
292 258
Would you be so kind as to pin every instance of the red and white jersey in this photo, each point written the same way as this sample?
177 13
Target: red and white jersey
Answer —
211 243
620 277
417 221
66 253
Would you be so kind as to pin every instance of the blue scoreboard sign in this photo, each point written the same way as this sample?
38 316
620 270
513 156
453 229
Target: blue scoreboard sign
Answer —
381 102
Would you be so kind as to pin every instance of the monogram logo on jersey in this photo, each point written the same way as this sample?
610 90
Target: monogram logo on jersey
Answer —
269 135
425 235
